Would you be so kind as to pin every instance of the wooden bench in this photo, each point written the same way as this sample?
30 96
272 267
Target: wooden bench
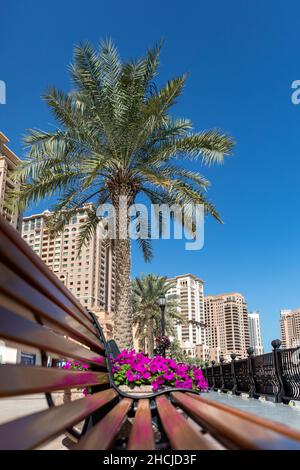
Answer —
38 312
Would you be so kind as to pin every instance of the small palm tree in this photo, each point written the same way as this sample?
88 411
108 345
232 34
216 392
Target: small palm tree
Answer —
116 137
146 312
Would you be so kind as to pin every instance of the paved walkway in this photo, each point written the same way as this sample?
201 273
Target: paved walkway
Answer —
16 407
274 411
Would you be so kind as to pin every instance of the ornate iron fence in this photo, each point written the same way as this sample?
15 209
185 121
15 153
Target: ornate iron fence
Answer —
289 362
209 377
227 377
242 375
274 375
218 382
264 375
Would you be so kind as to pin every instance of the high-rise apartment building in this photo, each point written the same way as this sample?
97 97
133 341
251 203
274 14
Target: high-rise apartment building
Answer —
226 320
189 291
290 328
89 275
8 162
255 333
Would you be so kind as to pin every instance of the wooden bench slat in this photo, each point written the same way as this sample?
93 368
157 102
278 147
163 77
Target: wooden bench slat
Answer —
15 237
141 436
35 276
232 429
20 380
180 434
103 434
19 290
9 274
19 329
266 423
31 431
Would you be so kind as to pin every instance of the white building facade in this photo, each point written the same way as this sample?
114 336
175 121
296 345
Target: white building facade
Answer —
255 333
192 333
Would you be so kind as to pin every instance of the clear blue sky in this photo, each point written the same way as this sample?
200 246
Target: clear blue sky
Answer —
242 58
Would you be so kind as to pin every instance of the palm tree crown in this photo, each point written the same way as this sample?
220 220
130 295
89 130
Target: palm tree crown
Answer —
116 137
146 312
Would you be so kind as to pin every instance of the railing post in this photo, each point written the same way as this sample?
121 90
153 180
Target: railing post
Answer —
221 359
276 343
212 374
250 352
233 356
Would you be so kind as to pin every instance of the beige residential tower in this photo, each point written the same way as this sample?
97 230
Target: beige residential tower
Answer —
89 275
290 328
8 162
226 319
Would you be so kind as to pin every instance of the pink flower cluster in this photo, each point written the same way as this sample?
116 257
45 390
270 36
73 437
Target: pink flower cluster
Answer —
132 368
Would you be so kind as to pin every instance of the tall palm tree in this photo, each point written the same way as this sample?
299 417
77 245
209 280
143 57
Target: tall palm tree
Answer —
146 312
116 137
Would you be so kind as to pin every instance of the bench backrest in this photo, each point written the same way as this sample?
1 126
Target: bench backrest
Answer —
38 314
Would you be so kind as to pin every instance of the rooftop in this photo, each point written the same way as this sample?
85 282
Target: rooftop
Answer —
186 275
219 296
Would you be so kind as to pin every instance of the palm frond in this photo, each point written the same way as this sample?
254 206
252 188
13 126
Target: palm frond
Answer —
42 188
146 248
166 97
87 229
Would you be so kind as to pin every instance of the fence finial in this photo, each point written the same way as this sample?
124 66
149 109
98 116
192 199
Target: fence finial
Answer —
276 343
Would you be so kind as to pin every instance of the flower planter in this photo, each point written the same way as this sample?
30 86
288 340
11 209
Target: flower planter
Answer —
137 390
133 370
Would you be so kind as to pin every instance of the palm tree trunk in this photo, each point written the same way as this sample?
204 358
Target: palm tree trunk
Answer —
123 312
150 338
123 333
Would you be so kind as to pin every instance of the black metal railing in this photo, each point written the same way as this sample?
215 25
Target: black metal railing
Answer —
274 375
264 375
209 377
227 377
217 377
242 375
289 360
